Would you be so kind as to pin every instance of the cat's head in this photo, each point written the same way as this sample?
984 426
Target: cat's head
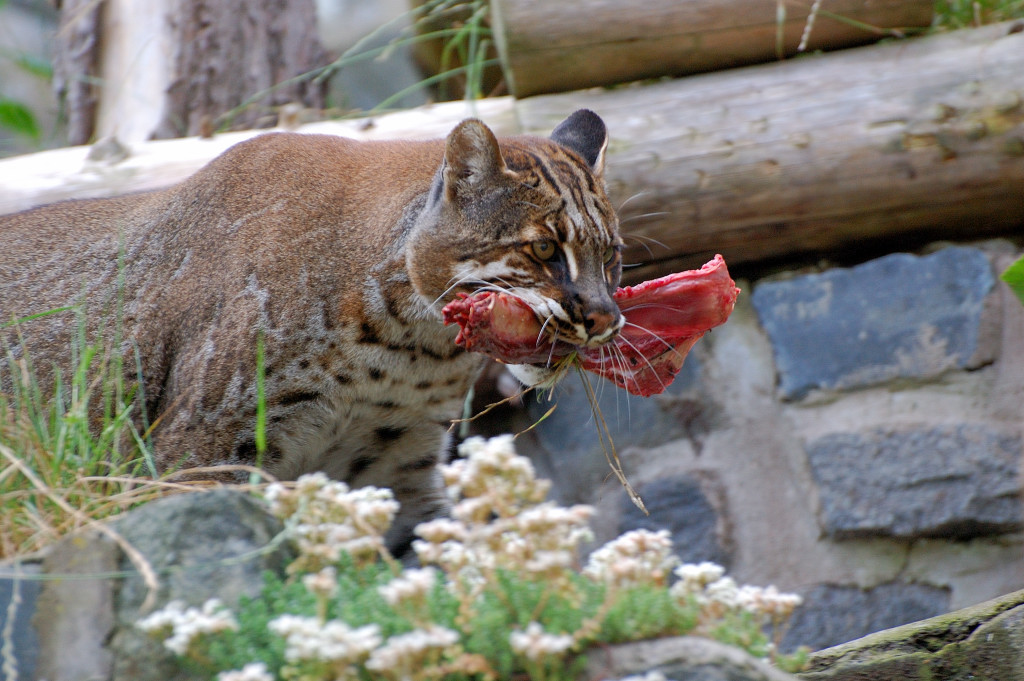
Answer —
529 216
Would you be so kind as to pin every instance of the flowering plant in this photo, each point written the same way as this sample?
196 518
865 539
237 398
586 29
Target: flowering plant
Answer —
499 592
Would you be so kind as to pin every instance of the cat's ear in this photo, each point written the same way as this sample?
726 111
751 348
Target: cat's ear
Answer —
472 159
585 133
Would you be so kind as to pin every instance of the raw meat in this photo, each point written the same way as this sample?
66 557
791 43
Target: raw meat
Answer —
664 318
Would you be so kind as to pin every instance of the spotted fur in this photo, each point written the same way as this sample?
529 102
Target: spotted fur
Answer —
339 255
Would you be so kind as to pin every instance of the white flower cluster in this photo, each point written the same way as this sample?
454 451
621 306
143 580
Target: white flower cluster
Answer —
412 586
309 639
500 520
185 624
717 594
323 584
404 656
638 557
537 645
327 518
492 479
254 671
694 577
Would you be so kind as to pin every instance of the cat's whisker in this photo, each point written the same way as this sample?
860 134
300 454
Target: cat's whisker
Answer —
551 352
540 334
644 216
643 239
528 203
619 359
649 333
459 282
638 195
647 361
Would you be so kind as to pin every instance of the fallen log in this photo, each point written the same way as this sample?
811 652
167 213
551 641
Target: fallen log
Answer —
109 168
912 140
569 45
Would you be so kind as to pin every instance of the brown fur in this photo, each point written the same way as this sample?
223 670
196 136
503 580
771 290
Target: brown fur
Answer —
339 254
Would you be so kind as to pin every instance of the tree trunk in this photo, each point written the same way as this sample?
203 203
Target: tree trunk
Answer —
573 44
75 66
169 68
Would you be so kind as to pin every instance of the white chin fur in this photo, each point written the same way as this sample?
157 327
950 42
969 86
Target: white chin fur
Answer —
530 375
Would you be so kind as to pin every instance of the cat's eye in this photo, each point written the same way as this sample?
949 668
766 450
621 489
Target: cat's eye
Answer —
543 249
609 253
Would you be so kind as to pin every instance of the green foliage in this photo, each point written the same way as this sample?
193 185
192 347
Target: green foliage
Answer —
19 119
500 596
70 453
953 14
645 612
1014 277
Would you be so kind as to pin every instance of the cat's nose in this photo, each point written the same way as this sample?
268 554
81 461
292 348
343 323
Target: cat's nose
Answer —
601 324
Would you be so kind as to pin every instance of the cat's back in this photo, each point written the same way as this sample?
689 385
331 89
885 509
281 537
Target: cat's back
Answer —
51 254
295 180
326 169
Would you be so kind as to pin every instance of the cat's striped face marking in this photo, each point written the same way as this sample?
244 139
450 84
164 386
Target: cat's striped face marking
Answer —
532 218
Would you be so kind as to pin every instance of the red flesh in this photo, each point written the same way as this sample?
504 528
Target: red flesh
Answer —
664 318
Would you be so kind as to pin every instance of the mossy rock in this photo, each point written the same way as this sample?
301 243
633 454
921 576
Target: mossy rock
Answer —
983 642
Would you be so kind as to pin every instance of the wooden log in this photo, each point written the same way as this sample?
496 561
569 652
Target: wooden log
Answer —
907 141
89 172
568 45
903 142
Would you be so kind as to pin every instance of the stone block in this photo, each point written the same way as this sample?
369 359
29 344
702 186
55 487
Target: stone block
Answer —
956 481
899 316
19 592
691 508
204 545
833 614
568 439
75 616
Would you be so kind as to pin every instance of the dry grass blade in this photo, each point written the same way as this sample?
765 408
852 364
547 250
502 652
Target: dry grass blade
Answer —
145 569
490 407
604 436
539 421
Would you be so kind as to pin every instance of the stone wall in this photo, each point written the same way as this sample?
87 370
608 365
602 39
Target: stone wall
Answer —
852 434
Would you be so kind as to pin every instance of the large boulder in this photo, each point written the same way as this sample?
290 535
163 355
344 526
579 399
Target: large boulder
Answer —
205 545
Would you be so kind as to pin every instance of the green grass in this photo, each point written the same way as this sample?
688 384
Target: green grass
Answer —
70 452
953 14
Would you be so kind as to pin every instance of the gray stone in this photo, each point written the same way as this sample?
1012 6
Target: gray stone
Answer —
75 616
567 447
203 545
19 593
683 658
690 508
957 481
900 316
833 614
985 641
